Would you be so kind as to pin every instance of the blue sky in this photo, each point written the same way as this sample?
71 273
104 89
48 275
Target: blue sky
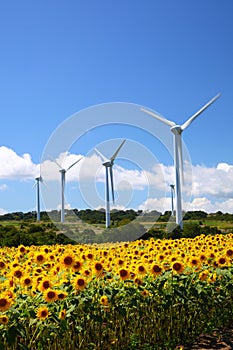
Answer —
59 58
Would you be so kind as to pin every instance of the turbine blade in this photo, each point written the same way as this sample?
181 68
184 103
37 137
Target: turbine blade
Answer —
191 119
112 186
103 158
180 155
43 182
73 164
117 151
37 179
54 161
164 120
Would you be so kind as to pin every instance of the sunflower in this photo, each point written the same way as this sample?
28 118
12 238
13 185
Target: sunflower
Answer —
62 314
61 295
229 253
38 271
202 257
177 267
26 281
17 273
194 262
156 269
141 269
90 256
138 281
39 258
86 272
98 268
44 285
67 260
4 319
22 249
50 295
42 313
203 275
212 278
79 283
2 265
5 303
160 257
166 265
124 274
221 261
104 300
145 293
77 266
9 293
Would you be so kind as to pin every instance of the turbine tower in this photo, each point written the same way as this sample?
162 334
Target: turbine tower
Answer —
172 198
63 176
178 161
108 163
37 184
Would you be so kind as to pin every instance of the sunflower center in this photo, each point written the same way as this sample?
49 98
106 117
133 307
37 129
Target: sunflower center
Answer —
222 261
123 273
51 295
229 252
81 282
3 302
177 266
98 266
44 313
40 257
156 268
68 260
18 274
46 284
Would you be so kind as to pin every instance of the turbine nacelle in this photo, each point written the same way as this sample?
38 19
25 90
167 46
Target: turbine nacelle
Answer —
108 163
177 129
39 178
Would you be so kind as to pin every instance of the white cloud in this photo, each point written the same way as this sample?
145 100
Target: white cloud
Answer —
159 204
216 182
225 167
199 203
3 211
212 187
206 205
50 169
15 167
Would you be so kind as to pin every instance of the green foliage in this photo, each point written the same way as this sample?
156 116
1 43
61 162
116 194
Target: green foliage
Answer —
22 228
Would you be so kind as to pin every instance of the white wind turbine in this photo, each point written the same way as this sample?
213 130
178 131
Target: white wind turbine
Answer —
108 163
63 176
37 184
172 198
178 159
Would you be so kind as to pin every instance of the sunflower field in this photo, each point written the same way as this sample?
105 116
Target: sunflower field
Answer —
152 294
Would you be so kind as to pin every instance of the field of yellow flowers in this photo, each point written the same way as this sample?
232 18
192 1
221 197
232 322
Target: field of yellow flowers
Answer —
153 294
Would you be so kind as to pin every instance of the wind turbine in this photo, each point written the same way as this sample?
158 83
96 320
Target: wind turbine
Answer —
177 130
172 198
63 175
37 184
108 163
